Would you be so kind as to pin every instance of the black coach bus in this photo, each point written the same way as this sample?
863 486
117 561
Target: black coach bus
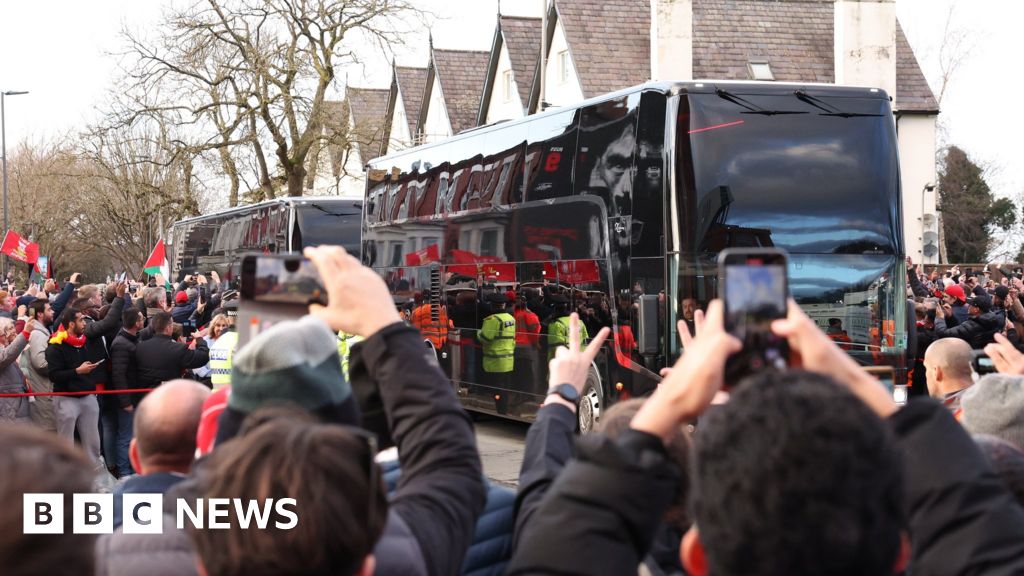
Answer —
622 203
216 241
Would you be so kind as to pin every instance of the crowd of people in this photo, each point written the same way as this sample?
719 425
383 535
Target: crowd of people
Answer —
810 470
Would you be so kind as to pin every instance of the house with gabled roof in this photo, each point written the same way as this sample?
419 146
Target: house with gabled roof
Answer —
511 67
451 100
405 98
599 46
353 133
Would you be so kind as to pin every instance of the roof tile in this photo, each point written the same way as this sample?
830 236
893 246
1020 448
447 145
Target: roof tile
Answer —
522 39
411 84
369 110
461 73
609 42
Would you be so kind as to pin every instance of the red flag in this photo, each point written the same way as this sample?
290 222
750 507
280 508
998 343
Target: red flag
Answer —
572 271
20 249
423 256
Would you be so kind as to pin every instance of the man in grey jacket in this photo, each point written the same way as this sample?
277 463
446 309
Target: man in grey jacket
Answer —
36 372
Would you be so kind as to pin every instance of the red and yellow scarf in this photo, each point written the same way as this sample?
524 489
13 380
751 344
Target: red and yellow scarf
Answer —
62 335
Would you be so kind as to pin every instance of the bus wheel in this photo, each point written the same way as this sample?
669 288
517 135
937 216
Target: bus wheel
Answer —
591 401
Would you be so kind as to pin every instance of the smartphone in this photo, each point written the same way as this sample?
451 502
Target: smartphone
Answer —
275 288
754 286
122 277
982 363
100 361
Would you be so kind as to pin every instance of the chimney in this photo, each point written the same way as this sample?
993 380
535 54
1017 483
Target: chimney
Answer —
671 39
865 43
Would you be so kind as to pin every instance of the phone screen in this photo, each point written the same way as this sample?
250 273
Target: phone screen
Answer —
281 280
754 284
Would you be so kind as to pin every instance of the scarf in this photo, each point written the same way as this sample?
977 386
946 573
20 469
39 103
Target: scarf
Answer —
62 335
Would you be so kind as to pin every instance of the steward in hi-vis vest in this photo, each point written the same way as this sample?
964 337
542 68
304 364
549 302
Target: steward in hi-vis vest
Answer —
498 340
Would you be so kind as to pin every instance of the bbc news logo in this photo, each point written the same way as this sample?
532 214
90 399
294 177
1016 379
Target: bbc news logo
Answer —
144 513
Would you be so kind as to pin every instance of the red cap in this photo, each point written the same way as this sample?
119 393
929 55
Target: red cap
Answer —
956 292
181 297
206 435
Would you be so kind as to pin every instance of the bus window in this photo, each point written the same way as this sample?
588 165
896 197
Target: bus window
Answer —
329 223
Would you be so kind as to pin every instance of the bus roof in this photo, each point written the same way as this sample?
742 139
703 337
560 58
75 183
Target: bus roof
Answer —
668 88
287 201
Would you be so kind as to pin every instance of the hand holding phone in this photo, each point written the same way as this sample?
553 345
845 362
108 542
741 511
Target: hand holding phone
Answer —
755 288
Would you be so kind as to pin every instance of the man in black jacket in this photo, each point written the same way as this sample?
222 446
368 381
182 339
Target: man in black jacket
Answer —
100 334
124 376
160 358
978 330
600 514
71 371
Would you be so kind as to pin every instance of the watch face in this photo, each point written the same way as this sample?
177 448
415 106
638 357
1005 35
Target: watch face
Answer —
566 391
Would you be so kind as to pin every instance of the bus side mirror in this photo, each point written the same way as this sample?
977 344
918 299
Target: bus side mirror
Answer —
648 325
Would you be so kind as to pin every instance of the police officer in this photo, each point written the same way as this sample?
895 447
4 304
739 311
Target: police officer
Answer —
498 340
223 349
558 329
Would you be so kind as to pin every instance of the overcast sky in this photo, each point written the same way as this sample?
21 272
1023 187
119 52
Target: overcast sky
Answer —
60 51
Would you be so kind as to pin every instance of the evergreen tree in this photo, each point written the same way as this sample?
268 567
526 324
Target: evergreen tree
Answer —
970 213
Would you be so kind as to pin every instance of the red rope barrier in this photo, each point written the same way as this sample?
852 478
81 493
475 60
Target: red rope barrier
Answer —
26 394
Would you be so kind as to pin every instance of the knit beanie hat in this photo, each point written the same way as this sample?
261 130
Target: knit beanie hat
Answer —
294 362
995 406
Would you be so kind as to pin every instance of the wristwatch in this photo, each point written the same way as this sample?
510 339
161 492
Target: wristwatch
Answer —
567 392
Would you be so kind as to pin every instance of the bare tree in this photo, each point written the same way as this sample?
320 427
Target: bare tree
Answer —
249 79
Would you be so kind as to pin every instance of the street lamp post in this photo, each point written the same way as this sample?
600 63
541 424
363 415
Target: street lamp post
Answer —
3 143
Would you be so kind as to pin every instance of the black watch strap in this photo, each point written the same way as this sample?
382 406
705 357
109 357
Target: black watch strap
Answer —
567 392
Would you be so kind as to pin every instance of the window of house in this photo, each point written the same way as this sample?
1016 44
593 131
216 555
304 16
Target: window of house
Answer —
506 85
761 70
489 243
563 66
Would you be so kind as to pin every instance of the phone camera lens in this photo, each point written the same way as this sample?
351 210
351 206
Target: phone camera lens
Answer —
291 265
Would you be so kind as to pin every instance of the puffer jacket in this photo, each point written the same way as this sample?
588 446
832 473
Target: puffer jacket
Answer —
977 331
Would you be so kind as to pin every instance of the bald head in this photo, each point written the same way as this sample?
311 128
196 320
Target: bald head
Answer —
166 422
948 365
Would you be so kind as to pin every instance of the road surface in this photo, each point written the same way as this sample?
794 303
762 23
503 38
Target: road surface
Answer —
501 445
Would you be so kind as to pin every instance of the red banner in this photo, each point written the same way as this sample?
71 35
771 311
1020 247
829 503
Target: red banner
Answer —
572 271
20 248
423 256
490 267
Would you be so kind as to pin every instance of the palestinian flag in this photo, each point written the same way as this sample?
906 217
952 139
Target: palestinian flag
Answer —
157 262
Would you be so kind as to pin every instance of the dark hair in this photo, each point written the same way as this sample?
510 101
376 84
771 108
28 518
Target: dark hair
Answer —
39 461
37 307
795 475
67 317
160 321
834 322
321 466
130 317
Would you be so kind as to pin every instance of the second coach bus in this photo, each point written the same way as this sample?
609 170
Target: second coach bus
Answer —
216 241
617 208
